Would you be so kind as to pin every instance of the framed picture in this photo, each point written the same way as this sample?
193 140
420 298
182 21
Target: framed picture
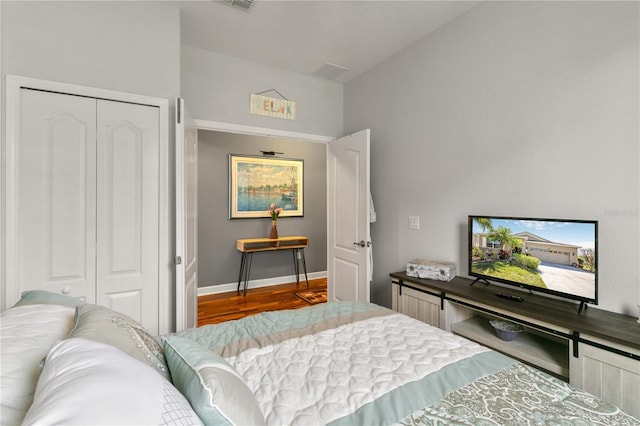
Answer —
256 182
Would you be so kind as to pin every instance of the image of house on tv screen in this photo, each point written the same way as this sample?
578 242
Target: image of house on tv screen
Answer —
554 255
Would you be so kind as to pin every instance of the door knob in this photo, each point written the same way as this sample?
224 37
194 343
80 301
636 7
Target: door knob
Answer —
363 243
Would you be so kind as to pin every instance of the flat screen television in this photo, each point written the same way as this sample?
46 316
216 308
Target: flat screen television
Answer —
552 256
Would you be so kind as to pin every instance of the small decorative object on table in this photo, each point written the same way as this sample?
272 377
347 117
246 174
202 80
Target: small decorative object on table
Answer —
506 330
433 270
274 212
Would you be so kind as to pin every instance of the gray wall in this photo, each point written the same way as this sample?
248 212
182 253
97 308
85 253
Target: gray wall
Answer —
217 87
219 261
515 108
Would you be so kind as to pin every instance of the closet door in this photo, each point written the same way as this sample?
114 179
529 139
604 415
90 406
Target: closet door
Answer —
127 210
52 199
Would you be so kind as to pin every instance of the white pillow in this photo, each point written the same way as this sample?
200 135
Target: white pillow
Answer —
27 333
84 382
214 388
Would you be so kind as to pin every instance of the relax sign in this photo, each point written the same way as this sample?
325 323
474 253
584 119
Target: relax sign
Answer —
273 107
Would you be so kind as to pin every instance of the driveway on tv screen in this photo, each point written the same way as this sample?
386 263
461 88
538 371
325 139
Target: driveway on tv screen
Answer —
567 279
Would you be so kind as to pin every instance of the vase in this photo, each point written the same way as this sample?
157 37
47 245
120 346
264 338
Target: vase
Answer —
274 230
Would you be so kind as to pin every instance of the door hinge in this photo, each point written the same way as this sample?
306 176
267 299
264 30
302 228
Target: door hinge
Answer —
177 260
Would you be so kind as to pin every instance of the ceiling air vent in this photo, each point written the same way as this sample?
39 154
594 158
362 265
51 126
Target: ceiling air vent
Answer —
330 71
240 4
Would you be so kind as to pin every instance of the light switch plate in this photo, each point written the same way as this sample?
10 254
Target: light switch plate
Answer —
414 222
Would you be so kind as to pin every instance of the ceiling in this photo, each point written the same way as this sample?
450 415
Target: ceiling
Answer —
304 35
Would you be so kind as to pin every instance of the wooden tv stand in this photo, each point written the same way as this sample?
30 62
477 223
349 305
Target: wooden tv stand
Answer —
594 350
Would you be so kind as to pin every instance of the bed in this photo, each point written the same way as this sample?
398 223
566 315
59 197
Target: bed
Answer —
336 363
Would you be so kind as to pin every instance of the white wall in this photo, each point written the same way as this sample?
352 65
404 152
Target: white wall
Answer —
125 46
515 108
217 87
128 46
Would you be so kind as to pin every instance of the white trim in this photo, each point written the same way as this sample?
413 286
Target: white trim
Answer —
92 92
3 283
267 282
260 131
13 85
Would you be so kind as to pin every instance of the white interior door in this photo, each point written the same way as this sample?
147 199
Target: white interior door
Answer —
51 196
128 186
186 219
348 238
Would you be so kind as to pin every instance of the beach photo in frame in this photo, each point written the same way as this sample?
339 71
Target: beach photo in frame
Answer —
256 182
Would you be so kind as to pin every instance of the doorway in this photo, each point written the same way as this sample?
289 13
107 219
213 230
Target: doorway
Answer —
219 260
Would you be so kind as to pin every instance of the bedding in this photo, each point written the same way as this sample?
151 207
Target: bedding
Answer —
215 390
85 382
354 363
336 363
26 335
104 325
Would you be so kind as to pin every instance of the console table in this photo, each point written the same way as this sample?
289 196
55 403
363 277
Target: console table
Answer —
248 246
597 351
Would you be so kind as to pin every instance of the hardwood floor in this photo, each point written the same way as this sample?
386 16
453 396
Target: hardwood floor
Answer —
215 308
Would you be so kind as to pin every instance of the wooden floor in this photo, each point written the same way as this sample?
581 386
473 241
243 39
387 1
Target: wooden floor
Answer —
215 308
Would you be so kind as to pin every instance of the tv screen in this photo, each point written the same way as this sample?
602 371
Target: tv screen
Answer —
553 256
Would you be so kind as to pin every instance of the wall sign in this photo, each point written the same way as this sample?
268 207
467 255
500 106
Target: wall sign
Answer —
273 107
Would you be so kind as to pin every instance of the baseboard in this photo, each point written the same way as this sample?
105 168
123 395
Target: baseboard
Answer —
224 288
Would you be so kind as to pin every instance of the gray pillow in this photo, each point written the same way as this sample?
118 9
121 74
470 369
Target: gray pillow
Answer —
101 324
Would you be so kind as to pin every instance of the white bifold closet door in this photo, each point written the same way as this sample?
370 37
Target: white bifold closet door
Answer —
87 201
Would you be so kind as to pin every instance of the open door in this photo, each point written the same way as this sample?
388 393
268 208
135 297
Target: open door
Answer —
186 219
348 239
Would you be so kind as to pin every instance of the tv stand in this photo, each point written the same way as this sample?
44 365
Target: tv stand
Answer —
594 350
582 307
482 280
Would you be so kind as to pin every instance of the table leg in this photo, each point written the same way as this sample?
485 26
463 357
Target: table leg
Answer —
247 273
242 264
304 266
296 266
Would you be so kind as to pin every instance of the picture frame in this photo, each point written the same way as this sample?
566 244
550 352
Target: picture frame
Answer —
256 182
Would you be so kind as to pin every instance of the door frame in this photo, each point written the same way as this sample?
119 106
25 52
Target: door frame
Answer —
219 126
7 196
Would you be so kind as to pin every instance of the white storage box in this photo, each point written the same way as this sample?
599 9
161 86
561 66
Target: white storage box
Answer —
423 268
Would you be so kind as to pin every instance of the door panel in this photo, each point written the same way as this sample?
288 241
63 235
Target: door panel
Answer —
127 215
186 219
347 273
348 218
53 211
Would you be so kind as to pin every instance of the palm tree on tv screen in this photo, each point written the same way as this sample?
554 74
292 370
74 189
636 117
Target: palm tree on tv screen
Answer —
505 238
485 223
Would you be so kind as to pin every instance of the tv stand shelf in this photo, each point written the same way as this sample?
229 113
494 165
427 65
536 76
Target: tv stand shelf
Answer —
595 350
558 314
541 351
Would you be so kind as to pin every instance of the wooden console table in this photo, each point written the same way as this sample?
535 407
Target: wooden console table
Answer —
248 246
